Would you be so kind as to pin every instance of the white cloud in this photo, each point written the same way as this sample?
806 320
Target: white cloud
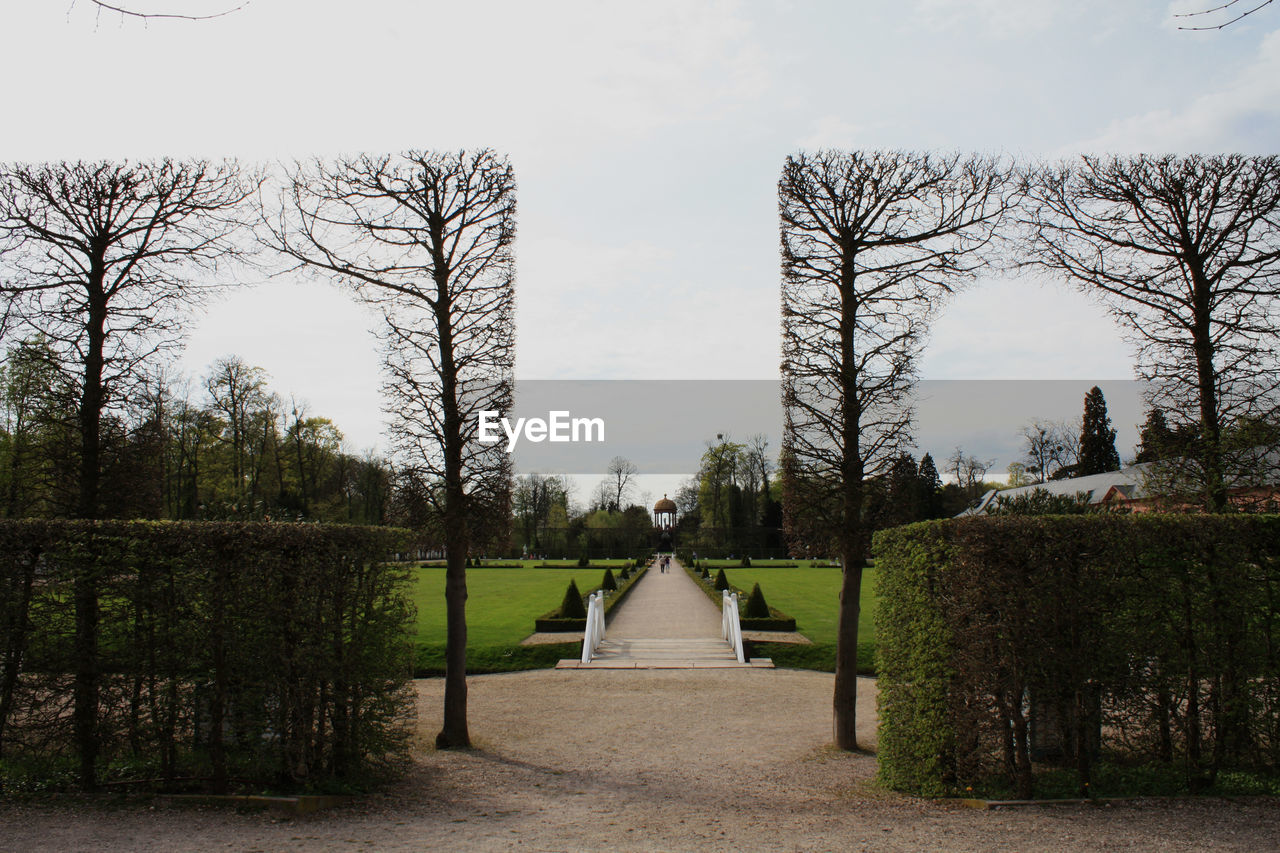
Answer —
1000 18
1243 116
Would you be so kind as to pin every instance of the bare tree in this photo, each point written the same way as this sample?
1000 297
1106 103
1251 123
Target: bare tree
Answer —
1050 448
427 238
756 467
1186 253
871 243
101 259
970 471
620 476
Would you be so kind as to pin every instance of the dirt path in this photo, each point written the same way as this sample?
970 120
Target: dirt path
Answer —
647 760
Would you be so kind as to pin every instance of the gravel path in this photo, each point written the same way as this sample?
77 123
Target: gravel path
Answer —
646 760
667 605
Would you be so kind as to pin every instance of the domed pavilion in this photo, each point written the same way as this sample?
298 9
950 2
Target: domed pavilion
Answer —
664 513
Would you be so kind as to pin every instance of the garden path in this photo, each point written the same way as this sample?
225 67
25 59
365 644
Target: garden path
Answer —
666 622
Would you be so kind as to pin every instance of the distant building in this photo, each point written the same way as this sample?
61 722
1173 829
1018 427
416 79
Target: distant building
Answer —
1137 487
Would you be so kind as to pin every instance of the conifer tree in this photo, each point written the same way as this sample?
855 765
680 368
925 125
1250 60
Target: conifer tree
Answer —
930 489
1097 438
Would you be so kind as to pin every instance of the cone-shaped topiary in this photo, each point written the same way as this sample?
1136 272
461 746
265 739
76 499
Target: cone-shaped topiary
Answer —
722 582
624 574
572 606
756 606
704 573
746 562
583 559
608 583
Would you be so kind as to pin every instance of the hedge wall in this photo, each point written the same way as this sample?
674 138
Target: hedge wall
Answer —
224 652
1011 646
553 623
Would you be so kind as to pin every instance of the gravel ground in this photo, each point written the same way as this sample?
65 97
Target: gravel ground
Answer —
646 760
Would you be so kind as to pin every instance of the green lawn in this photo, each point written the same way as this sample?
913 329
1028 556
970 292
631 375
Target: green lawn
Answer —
501 603
812 596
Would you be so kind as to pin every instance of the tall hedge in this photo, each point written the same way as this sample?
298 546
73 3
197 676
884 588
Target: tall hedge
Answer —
1010 645
273 653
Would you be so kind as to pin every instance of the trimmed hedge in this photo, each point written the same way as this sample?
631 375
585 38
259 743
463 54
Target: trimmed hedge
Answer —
553 622
776 621
1012 646
275 654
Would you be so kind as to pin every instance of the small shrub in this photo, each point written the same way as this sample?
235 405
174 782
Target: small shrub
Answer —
722 582
624 574
746 562
583 559
609 582
704 573
756 606
572 606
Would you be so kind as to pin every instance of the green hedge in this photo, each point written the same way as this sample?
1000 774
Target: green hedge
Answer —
274 654
1009 647
553 622
777 620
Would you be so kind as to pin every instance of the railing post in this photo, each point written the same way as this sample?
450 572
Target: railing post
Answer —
730 625
594 633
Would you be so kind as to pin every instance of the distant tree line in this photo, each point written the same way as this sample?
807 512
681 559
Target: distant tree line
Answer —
232 449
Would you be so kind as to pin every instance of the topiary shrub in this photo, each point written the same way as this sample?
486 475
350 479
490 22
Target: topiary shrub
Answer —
583 559
704 573
624 574
746 562
609 583
572 606
722 582
756 606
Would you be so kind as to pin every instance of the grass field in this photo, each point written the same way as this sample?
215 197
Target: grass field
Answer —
812 596
501 603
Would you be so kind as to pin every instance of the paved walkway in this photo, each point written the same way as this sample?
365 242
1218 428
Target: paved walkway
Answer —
667 622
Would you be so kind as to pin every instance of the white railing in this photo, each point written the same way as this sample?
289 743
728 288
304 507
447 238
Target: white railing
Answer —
594 635
731 627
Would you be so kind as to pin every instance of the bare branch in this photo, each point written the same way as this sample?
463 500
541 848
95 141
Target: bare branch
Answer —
1221 8
133 13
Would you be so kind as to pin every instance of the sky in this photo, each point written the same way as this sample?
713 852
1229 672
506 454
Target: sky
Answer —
646 139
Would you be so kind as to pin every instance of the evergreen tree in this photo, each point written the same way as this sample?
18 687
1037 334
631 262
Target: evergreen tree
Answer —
1097 438
1155 439
902 498
930 485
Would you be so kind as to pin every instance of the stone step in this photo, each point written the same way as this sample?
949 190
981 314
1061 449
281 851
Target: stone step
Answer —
605 663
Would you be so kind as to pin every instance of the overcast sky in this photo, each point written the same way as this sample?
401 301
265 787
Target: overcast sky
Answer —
646 139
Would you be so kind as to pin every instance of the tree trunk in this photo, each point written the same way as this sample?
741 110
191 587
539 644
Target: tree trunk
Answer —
845 701
85 713
454 734
1207 389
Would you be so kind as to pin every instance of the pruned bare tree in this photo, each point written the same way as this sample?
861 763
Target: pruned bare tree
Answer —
871 244
102 259
427 237
1185 251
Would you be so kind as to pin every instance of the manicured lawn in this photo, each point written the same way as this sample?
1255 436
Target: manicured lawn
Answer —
501 603
812 596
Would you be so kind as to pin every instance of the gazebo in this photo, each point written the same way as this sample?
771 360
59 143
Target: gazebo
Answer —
664 513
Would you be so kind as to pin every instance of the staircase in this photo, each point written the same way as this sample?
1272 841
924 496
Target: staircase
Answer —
666 623
677 653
